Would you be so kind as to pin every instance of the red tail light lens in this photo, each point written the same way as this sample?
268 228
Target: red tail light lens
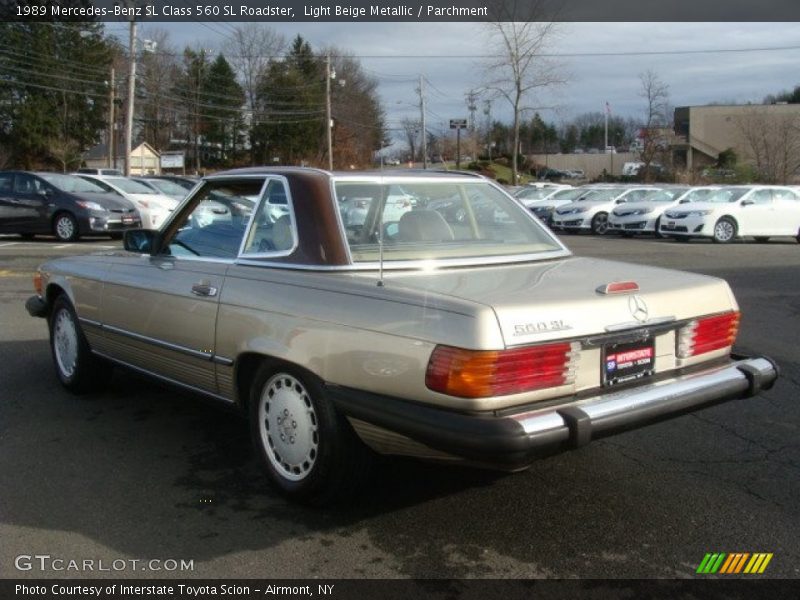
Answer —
709 333
480 374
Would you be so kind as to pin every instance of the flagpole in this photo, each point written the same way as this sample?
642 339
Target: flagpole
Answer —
605 148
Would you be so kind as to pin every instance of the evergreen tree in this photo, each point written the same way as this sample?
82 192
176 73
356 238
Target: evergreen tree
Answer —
53 92
223 102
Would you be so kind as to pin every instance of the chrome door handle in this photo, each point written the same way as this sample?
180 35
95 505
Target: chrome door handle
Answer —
203 289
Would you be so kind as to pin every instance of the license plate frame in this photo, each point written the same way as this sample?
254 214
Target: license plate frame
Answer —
628 361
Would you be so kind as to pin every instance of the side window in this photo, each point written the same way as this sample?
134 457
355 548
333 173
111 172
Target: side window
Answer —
6 182
784 194
213 224
761 196
273 225
26 184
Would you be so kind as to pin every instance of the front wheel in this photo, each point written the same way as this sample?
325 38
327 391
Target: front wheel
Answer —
724 230
600 223
306 446
65 227
77 368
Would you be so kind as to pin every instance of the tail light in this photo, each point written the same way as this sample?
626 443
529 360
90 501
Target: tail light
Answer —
709 333
480 373
37 283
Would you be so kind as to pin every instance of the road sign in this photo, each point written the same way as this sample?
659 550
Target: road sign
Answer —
458 123
172 161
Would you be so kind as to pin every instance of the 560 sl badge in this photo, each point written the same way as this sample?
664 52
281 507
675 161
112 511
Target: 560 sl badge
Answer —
540 327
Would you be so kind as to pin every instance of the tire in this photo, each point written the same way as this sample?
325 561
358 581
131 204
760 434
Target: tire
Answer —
658 234
65 227
762 239
724 230
307 448
77 368
600 223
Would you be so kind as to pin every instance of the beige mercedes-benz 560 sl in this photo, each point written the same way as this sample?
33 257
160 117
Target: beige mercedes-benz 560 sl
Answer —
416 313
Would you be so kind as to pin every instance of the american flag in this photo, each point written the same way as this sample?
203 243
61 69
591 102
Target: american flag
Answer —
608 108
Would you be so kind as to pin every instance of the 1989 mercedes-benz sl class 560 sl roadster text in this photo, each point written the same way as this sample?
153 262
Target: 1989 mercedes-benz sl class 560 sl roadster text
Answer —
417 313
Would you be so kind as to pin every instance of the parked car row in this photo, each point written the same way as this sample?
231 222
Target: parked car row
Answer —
722 213
69 206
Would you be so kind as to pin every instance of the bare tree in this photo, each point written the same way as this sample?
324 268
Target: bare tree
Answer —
656 97
250 50
159 72
411 129
773 142
521 41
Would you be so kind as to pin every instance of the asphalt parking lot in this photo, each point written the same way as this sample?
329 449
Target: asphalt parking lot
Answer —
145 472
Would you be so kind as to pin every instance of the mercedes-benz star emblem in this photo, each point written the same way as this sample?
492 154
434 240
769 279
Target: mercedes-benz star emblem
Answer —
638 308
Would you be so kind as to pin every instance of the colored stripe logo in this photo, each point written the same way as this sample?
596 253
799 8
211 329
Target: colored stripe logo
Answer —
734 563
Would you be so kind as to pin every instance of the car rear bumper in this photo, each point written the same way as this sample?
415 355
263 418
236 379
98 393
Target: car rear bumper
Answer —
511 440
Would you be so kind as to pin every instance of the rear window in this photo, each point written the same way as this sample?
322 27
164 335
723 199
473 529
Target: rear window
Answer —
436 220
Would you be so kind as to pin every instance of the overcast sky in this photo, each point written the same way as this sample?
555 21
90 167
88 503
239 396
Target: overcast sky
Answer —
397 53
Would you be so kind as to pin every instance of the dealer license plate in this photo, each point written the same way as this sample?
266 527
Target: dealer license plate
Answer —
627 362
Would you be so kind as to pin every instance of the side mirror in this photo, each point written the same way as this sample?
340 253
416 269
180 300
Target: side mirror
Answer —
141 241
748 202
621 201
684 201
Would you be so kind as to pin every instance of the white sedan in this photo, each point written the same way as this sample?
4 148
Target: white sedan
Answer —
760 211
645 216
153 207
590 211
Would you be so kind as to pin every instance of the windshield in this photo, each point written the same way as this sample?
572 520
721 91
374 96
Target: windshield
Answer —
130 186
436 220
167 187
667 195
601 195
568 194
727 195
534 193
70 183
699 195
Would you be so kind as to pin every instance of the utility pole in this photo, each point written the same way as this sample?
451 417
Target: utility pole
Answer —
472 107
487 110
424 131
131 91
110 137
328 117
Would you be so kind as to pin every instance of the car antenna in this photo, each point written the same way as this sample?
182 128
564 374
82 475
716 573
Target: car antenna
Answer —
380 242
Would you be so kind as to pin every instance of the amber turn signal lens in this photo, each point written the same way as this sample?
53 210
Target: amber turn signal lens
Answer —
485 373
37 282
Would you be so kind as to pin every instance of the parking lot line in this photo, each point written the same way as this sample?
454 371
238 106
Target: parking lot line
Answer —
62 246
8 244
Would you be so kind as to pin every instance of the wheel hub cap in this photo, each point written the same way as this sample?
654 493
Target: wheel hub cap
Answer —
64 228
65 343
288 425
